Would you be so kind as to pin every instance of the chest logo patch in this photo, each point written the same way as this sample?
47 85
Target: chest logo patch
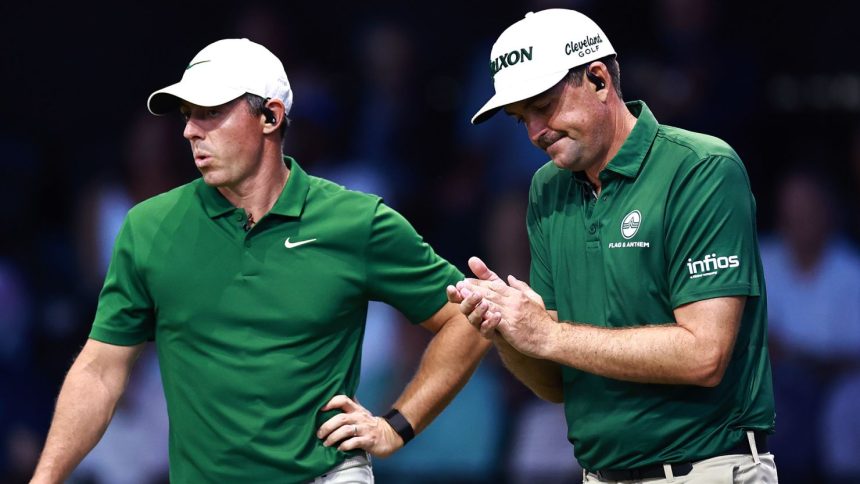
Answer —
630 224
290 245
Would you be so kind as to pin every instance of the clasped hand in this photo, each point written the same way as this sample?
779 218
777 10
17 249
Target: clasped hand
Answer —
513 310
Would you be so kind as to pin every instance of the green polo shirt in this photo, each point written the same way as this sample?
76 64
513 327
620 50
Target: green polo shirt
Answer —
257 330
674 223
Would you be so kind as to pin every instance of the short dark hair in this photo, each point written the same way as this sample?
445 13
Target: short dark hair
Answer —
257 107
576 75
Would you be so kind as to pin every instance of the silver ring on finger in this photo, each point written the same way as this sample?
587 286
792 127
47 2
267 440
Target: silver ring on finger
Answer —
355 430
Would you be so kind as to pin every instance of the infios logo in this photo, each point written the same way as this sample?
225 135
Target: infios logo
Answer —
511 58
710 264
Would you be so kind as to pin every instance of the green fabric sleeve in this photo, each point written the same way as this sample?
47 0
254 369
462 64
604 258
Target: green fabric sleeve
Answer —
403 270
540 273
711 241
125 313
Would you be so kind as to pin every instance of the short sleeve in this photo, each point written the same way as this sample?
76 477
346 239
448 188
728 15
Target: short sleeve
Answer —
403 270
540 273
125 314
711 242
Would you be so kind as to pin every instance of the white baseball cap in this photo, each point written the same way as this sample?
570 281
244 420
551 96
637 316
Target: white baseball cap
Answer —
223 71
536 52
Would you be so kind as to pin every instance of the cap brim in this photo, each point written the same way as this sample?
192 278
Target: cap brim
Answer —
523 90
166 100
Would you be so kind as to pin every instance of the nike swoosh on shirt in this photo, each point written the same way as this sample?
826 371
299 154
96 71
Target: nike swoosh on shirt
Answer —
291 245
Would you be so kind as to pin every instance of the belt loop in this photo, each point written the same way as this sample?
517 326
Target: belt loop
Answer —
667 469
753 448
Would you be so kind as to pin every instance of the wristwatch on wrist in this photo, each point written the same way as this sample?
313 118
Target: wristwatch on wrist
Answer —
400 425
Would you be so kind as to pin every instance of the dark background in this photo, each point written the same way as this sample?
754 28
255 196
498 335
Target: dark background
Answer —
381 88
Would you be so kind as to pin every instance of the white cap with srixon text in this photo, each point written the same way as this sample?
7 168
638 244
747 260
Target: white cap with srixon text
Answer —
535 53
223 71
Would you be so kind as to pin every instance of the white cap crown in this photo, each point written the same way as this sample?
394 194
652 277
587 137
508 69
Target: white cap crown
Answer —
223 71
536 52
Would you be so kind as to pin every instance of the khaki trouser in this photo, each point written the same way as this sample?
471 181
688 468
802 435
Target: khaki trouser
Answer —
753 468
354 470
725 469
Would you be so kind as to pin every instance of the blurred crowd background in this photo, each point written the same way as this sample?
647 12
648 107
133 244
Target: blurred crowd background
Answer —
383 96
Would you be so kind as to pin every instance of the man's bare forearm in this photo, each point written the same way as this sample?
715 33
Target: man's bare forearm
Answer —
543 377
449 360
85 406
693 351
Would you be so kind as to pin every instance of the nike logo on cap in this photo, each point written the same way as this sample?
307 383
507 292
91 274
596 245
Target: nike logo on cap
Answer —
194 64
291 245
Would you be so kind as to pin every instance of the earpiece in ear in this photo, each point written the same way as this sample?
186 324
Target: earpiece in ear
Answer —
270 116
598 82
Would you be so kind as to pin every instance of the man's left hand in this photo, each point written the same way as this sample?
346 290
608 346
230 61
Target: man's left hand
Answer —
357 428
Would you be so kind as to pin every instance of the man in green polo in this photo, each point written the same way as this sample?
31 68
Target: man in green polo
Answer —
254 281
643 244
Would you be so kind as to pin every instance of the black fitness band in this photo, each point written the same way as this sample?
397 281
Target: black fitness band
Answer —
400 425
